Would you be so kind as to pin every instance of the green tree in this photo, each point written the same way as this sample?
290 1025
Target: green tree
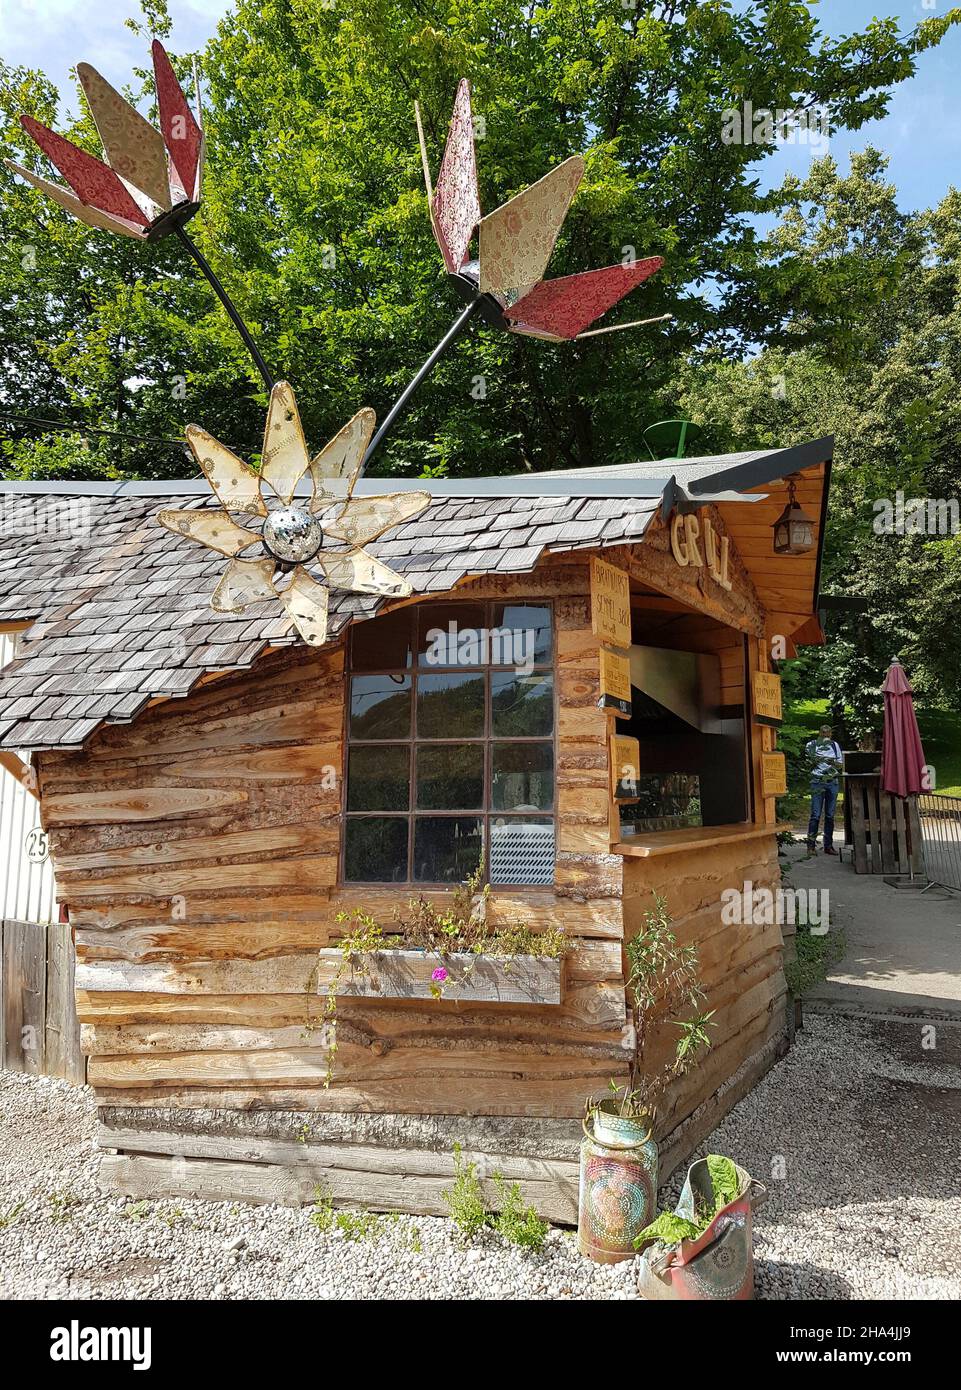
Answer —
316 218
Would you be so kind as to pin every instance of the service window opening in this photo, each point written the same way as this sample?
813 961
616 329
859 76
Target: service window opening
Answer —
693 758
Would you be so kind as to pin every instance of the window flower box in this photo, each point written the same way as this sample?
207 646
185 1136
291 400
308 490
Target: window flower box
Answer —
461 975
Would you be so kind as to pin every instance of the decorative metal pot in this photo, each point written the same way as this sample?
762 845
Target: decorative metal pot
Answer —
719 1265
618 1131
618 1192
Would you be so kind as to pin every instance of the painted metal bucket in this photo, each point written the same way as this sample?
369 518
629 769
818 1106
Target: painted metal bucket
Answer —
719 1265
618 1196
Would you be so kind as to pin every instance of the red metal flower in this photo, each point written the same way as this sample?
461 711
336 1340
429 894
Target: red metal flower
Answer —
517 239
149 183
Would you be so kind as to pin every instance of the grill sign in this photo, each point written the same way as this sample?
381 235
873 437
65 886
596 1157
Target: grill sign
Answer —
694 541
625 767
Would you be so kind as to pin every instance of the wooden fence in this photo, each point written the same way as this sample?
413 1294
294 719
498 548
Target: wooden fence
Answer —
39 1032
884 830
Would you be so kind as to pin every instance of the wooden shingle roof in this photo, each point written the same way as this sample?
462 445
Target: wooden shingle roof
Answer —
120 606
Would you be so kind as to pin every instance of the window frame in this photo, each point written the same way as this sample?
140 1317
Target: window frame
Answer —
486 740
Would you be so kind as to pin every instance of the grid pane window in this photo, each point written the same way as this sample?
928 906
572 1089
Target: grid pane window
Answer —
450 755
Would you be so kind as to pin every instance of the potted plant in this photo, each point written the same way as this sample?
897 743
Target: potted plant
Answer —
430 952
618 1186
703 1249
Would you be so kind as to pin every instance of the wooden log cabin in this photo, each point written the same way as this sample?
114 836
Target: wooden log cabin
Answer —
216 794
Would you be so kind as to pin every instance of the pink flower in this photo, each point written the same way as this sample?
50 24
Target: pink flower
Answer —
439 974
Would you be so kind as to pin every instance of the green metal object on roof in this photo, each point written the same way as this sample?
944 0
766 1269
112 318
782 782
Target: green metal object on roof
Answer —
670 438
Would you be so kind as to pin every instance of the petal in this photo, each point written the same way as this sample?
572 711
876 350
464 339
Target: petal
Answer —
92 181
362 574
565 307
455 210
516 241
133 148
306 604
243 582
363 519
73 205
235 482
285 458
181 132
342 457
212 528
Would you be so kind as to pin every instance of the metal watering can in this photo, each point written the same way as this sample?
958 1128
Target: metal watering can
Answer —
720 1263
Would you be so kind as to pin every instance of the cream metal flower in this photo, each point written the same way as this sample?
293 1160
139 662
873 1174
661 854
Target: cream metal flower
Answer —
291 533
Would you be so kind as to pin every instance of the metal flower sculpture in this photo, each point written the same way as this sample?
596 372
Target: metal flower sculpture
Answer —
505 286
516 242
293 534
148 184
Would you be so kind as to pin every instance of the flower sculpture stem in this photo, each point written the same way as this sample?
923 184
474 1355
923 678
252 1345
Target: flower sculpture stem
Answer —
424 371
218 289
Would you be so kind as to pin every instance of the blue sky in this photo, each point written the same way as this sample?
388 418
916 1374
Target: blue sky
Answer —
921 134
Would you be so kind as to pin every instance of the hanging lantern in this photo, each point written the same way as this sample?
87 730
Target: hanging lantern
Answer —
794 529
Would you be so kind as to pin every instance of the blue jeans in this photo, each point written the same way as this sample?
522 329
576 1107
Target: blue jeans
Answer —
823 797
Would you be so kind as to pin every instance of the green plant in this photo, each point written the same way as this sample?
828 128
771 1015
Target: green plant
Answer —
8 1217
516 1223
136 1211
62 1204
464 1199
670 1228
513 1221
816 953
322 1215
663 981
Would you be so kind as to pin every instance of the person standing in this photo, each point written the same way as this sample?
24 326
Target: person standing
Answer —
825 758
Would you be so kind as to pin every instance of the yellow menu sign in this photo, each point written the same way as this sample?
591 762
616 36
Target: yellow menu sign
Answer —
767 697
625 767
615 682
610 603
773 774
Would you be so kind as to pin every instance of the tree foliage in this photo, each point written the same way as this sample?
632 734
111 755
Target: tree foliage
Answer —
316 218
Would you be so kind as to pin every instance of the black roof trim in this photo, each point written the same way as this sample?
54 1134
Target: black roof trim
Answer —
768 468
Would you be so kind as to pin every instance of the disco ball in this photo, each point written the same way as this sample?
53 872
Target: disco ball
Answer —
293 535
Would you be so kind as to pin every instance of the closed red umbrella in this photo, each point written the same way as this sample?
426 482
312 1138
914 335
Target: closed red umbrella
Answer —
902 757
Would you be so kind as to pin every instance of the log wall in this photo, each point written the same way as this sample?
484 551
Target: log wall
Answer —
197 850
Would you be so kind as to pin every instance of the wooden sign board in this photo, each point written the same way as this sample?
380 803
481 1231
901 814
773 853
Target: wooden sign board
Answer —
773 774
767 697
625 767
615 682
610 603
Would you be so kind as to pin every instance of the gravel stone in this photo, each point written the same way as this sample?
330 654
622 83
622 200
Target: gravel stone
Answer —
855 1134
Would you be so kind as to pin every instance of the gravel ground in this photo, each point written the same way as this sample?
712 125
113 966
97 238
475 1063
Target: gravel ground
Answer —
856 1134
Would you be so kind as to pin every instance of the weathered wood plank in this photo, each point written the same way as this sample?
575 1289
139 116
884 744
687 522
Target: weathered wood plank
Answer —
153 1176
292 839
145 804
24 996
63 1056
410 975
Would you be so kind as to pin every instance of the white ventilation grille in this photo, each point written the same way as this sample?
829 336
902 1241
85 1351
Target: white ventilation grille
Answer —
522 853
